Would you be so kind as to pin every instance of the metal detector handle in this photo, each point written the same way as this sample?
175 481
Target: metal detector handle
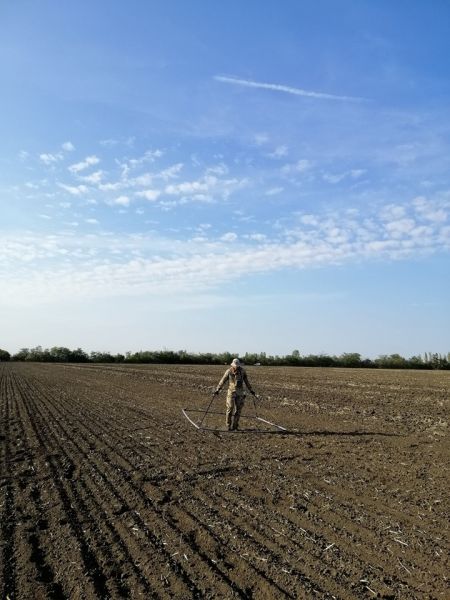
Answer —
216 393
254 404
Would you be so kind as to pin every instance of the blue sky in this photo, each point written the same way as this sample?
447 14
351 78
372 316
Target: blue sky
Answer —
213 176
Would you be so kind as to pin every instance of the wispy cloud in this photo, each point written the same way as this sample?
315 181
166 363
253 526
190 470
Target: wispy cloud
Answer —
94 178
128 164
429 211
301 166
74 190
50 159
338 177
68 147
111 187
87 162
150 195
50 267
286 89
205 188
119 201
274 191
279 152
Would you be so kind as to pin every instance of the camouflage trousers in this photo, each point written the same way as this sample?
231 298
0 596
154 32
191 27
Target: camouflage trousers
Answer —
235 402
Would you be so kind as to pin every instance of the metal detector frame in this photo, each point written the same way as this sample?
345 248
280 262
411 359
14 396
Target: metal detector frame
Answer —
199 427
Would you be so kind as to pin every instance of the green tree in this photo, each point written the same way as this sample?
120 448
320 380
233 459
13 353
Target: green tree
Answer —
21 355
35 354
101 357
4 355
350 359
60 354
391 361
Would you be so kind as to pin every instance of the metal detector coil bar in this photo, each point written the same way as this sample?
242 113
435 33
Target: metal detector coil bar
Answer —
185 412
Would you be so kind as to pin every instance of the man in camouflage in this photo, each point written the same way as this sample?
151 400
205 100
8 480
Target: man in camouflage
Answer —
236 377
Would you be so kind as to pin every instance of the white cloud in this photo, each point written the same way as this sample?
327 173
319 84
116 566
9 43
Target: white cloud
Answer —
50 159
87 162
400 227
279 152
109 142
191 187
301 166
171 172
148 157
94 178
261 139
429 211
129 164
75 190
68 147
119 201
229 237
392 212
108 265
286 89
148 179
444 236
274 191
220 169
338 177
150 195
143 180
438 216
110 187
423 232
205 188
357 173
256 237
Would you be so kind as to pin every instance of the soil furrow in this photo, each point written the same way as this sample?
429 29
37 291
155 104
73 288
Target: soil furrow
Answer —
8 524
176 566
84 514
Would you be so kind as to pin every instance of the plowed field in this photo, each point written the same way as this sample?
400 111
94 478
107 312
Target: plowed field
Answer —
107 491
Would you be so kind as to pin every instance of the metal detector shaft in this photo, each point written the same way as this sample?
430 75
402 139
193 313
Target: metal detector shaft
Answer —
207 410
254 404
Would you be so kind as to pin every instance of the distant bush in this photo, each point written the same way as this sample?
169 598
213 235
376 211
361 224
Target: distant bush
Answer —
348 359
4 355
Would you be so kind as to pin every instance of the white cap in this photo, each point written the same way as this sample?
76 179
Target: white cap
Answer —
235 362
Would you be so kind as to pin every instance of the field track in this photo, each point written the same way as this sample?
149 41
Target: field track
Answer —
107 491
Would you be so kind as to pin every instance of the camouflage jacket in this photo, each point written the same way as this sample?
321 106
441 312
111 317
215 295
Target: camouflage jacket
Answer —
236 379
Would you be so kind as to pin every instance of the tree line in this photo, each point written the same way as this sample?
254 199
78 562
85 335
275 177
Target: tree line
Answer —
60 354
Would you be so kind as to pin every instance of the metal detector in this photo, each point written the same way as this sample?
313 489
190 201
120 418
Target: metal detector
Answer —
208 410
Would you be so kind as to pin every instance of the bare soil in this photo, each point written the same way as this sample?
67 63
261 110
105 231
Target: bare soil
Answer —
107 491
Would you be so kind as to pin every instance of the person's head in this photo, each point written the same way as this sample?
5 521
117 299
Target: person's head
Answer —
235 363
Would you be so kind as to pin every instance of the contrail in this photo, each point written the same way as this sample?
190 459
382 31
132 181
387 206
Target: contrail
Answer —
286 89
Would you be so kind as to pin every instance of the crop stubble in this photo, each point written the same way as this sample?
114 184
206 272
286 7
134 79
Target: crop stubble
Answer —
106 491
